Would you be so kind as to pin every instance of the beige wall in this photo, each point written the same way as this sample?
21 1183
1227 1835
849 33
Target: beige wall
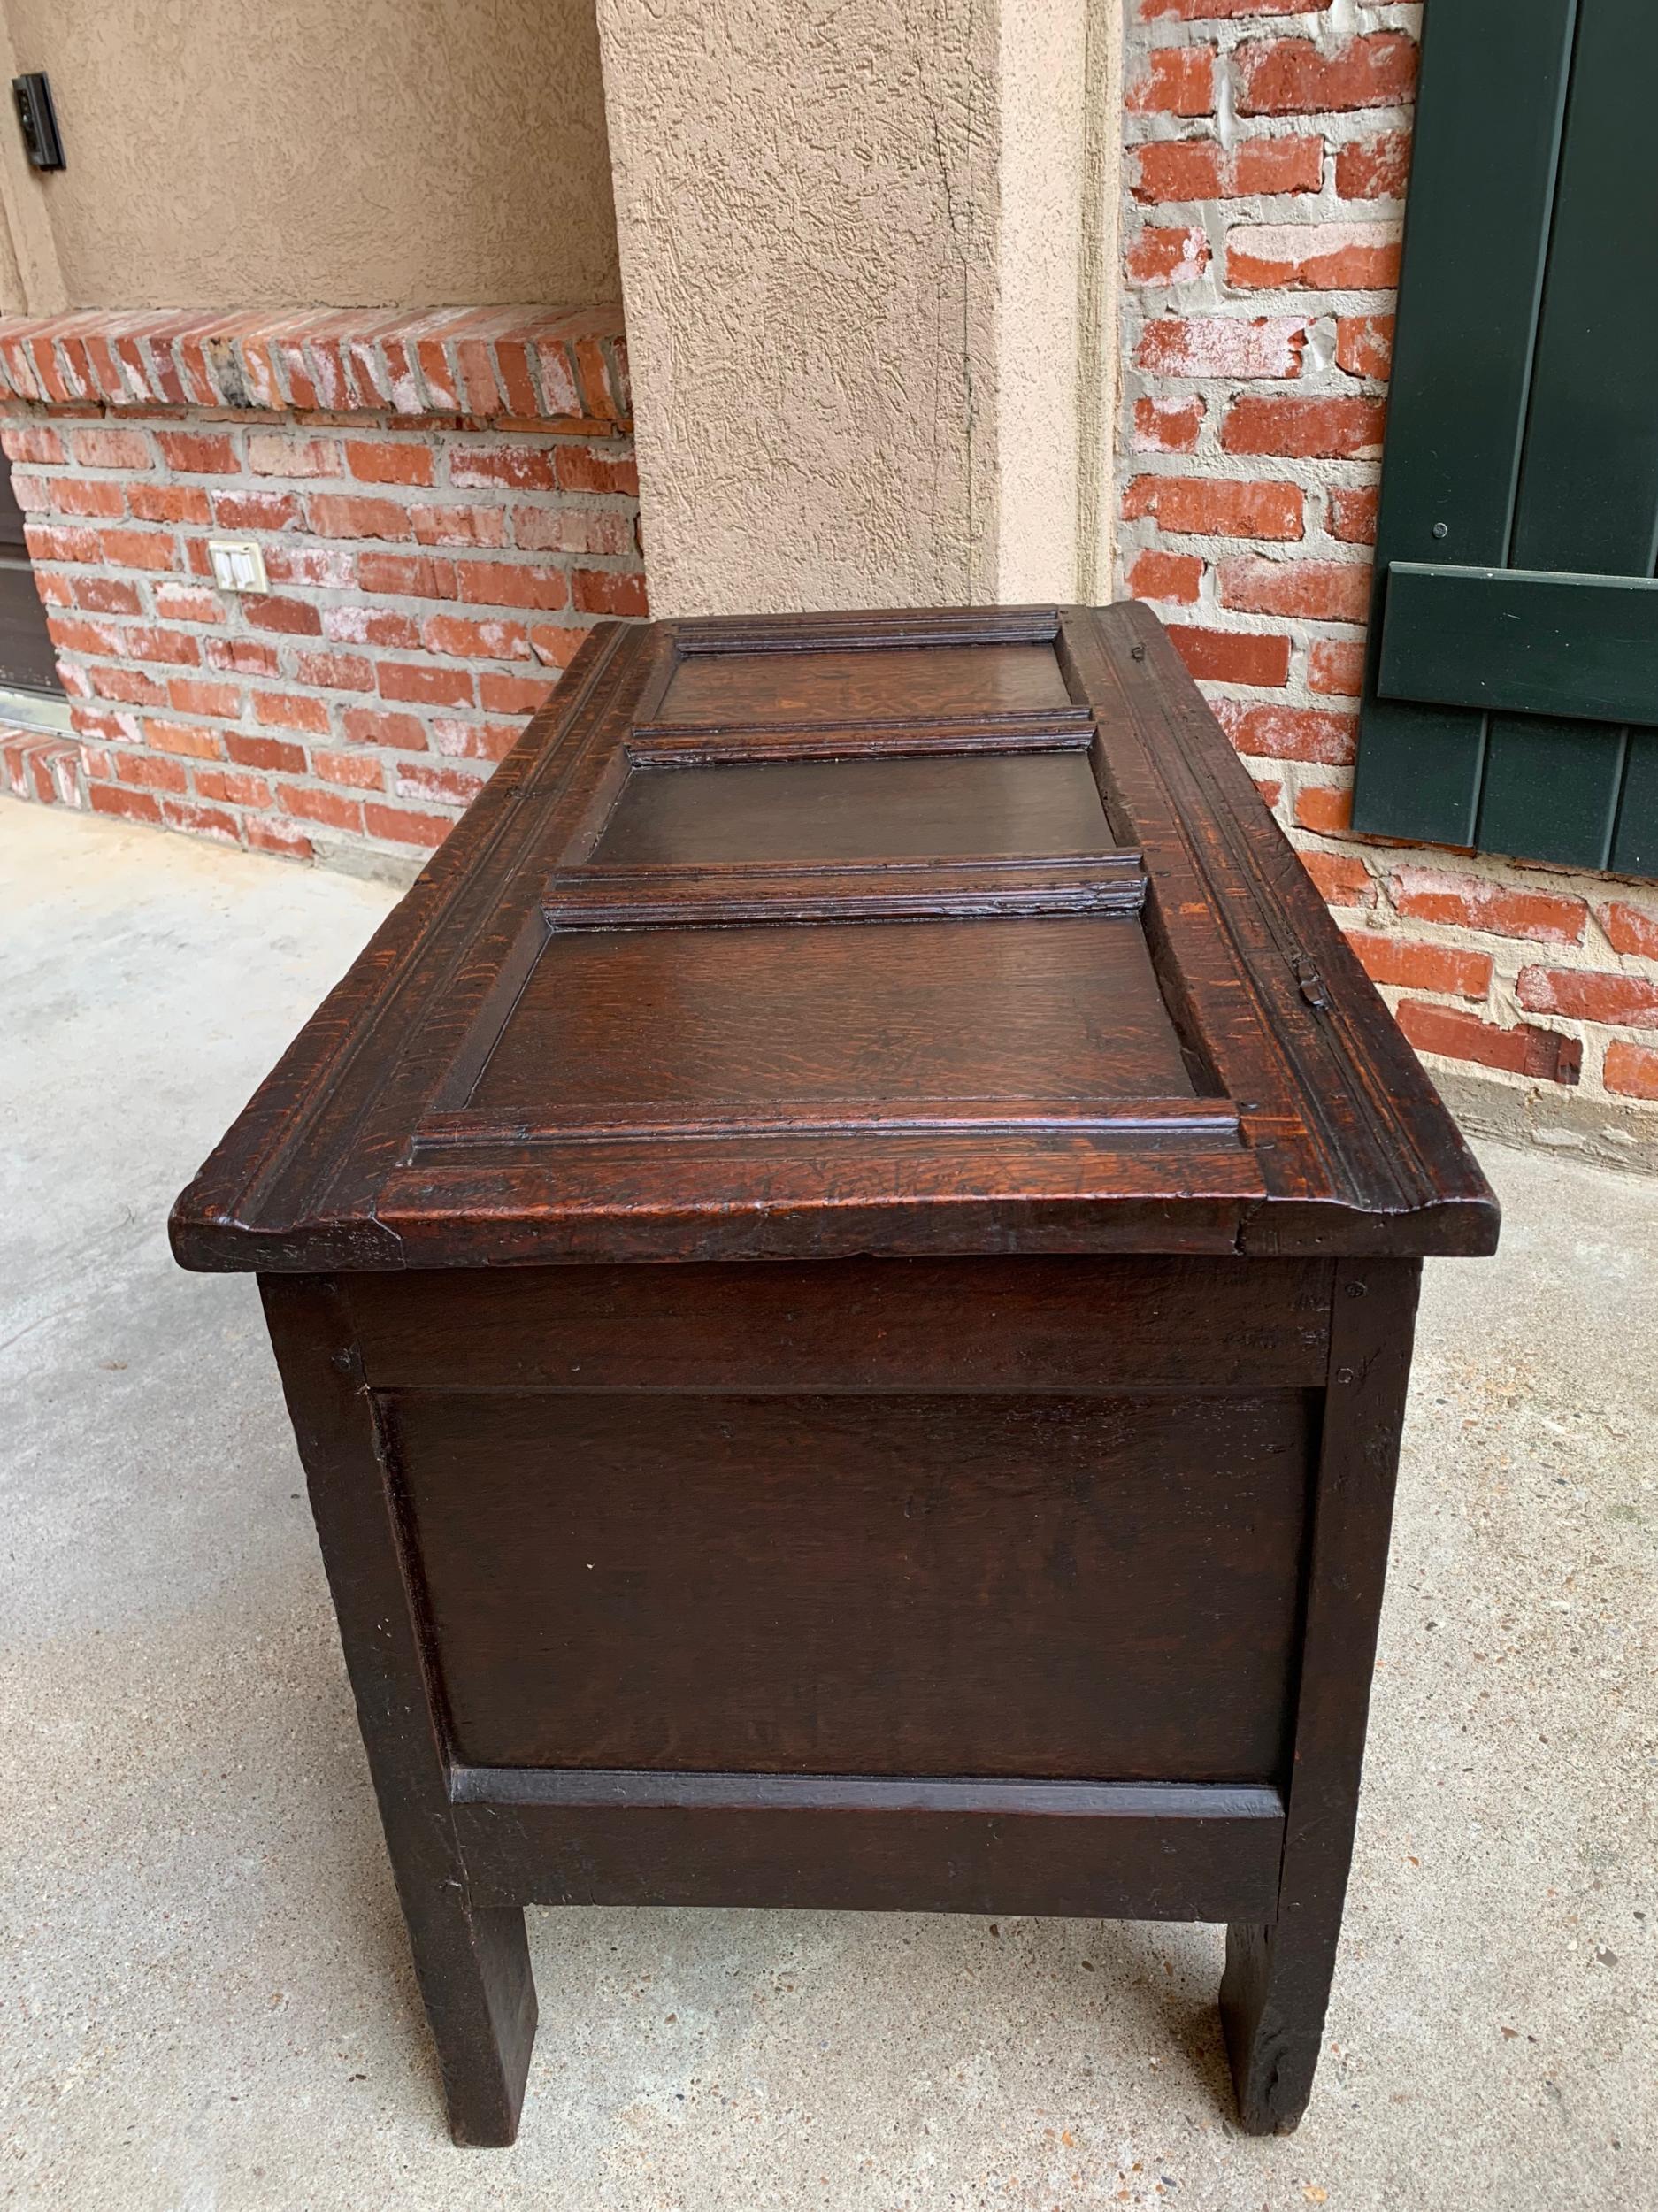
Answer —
232 153
856 240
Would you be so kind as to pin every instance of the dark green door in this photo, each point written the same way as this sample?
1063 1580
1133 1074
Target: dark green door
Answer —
1511 700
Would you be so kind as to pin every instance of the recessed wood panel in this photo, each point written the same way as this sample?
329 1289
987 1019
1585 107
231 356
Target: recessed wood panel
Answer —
1102 1587
963 805
896 1014
926 683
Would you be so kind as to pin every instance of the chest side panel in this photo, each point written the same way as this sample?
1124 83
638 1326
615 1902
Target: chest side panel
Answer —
860 1584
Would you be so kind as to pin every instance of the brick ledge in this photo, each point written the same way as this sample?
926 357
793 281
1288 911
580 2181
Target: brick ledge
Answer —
559 366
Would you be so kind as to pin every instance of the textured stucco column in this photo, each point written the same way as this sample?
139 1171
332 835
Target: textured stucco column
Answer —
861 249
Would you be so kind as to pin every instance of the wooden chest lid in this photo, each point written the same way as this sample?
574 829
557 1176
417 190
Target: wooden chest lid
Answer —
811 935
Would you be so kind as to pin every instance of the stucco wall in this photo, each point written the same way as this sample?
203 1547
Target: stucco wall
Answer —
853 236
389 152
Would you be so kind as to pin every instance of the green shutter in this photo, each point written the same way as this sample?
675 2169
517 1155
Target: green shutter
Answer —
1513 665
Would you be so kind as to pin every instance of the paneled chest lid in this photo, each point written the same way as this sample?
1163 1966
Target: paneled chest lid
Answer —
825 935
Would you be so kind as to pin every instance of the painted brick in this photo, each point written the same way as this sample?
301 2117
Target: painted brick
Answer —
100 446
39 441
344 515
411 681
332 808
192 739
268 836
1284 732
1222 345
510 584
183 603
99 496
152 771
291 710
1335 667
198 452
1161 425
1630 929
195 694
335 671
1304 429
1233 656
1499 909
1320 591
106 595
1350 514
402 576
326 567
1364 345
1168 576
1591 994
152 550
258 511
580 469
475 741
1315 257
233 788
1375 168
1201 169
282 453
608 591
1632 1070
389 461
605 529
400 826
1214 506
243 655
1297 76
1455 1034
169 502
465 639
511 695
1418 966
53 542
1325 807
1271 168
460 525
1175 80
1342 881
506 467
371 626
130 684
1179 169
369 725
419 779
293 617
202 821
132 806
554 644
1158 255
1209 10
356 772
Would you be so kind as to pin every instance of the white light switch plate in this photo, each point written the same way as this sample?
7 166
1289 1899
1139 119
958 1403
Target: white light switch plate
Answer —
238 564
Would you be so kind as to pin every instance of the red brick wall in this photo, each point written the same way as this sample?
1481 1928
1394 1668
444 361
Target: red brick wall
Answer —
444 510
1266 158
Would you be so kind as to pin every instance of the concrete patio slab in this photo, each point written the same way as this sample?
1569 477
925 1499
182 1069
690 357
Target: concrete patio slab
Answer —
207 2000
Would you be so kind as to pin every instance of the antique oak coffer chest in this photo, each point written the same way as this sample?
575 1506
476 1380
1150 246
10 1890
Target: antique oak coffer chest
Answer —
843 1267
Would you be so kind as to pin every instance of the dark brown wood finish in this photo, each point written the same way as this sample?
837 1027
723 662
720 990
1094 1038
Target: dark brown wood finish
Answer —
1278 1971
843 1269
472 1962
1342 1145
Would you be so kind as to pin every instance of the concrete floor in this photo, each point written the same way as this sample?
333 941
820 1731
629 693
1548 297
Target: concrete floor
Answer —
206 2003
